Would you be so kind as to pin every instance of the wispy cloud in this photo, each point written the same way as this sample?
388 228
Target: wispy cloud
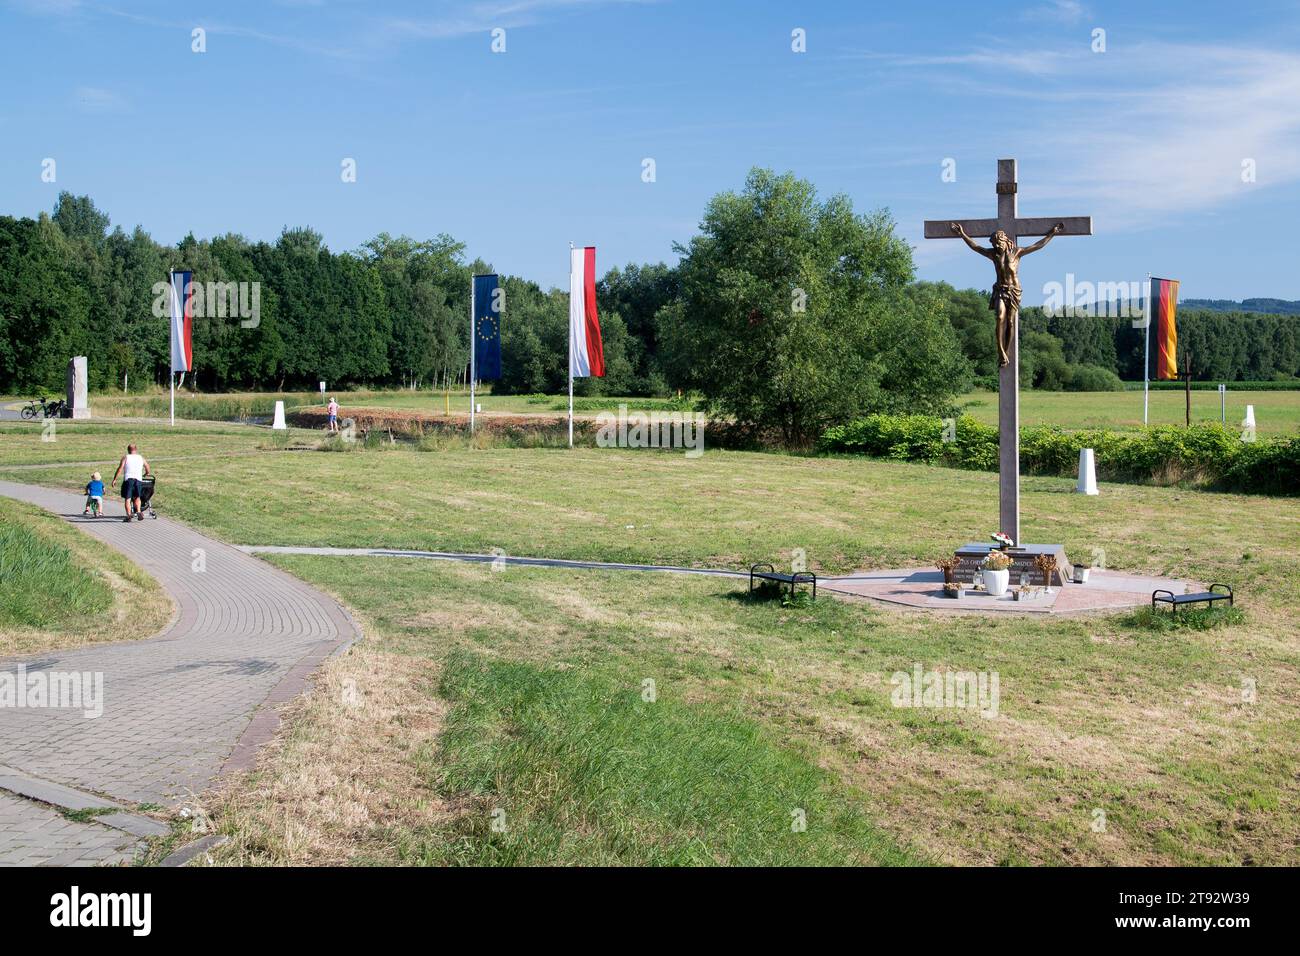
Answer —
359 33
1137 134
476 18
93 99
1069 12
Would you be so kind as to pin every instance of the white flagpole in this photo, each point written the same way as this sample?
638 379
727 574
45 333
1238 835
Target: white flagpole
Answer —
171 340
473 367
1146 356
570 345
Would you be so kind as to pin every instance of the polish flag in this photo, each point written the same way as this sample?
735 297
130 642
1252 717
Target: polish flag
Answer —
586 353
182 315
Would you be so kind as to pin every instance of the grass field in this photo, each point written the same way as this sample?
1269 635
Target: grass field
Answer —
62 588
1276 412
521 692
518 696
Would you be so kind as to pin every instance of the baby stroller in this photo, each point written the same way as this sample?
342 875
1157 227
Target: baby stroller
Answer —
146 496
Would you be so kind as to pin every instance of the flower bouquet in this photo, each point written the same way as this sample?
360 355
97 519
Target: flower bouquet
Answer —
996 571
1003 540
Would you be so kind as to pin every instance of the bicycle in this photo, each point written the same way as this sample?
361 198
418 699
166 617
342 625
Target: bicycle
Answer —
36 408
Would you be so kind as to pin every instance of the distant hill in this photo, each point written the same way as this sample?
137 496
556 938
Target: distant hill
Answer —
1271 306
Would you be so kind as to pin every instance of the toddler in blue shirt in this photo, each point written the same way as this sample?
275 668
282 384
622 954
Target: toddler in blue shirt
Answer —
94 496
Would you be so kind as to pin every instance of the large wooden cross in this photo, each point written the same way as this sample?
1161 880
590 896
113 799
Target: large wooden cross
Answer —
1009 375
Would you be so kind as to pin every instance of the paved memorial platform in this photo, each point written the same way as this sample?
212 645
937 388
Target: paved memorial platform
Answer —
922 588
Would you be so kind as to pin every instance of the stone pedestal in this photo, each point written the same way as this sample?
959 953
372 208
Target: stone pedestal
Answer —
970 555
77 401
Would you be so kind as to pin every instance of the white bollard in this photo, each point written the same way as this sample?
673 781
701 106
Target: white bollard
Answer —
1087 473
279 416
1250 416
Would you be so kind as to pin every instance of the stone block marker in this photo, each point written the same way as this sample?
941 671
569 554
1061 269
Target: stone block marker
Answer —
77 387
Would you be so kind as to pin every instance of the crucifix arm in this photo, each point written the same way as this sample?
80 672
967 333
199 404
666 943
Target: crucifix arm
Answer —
1056 231
986 253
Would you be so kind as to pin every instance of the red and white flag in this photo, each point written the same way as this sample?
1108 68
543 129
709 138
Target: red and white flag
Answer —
586 352
182 314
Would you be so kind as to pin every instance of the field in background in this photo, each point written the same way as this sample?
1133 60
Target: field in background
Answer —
1276 412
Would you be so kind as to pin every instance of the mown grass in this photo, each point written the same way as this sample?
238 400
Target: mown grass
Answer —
101 444
566 769
61 588
1154 728
724 509
1097 712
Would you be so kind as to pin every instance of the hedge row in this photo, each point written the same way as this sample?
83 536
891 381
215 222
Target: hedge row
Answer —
1207 455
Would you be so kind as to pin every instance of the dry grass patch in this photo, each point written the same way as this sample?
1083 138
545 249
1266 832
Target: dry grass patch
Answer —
344 777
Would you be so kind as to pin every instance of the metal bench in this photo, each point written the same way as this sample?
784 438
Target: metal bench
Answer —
793 579
1177 600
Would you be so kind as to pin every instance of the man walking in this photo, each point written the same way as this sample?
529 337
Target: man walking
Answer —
133 468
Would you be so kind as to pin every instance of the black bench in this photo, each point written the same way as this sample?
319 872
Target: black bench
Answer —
1206 597
772 574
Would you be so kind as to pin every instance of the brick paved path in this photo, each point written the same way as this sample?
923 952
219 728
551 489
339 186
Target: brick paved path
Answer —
177 708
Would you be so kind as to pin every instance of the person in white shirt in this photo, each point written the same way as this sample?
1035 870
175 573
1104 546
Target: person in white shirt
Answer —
133 468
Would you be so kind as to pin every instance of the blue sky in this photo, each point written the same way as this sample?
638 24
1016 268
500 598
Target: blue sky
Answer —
517 153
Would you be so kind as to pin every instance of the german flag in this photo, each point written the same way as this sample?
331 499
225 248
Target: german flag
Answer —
1164 308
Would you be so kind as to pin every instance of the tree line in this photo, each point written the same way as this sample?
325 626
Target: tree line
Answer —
787 310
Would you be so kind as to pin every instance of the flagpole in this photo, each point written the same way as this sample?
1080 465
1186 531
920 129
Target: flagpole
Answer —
570 345
171 375
1146 356
473 367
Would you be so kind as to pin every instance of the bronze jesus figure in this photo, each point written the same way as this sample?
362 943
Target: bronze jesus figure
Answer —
1005 300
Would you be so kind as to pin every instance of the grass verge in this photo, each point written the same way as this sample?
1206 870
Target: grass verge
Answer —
61 588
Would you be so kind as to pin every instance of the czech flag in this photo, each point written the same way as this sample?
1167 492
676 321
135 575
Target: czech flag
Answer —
1164 308
182 312
487 328
586 352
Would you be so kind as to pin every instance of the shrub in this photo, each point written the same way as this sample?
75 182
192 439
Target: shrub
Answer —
1168 454
1093 378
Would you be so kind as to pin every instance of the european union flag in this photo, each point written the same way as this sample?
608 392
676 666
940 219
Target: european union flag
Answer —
488 301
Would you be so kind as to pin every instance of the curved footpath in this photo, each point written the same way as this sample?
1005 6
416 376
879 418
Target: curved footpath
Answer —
179 709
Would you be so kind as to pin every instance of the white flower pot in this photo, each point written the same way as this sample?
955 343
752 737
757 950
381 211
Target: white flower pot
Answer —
995 582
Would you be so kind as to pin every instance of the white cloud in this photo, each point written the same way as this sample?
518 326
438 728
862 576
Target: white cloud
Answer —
1135 135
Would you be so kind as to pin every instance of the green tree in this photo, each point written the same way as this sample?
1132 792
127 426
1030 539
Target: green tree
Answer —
791 309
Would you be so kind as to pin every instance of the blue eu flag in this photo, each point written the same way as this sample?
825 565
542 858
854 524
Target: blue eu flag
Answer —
488 301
